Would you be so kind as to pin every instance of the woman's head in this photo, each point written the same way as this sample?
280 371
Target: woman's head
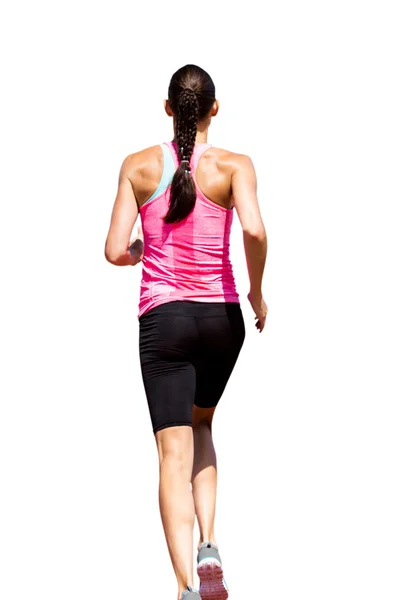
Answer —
191 101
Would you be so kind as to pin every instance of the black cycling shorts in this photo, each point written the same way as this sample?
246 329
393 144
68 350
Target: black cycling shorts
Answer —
187 354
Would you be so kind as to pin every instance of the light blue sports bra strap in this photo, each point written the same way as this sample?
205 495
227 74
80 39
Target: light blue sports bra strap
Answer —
167 174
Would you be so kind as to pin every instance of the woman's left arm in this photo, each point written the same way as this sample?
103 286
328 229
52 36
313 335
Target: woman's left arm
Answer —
123 218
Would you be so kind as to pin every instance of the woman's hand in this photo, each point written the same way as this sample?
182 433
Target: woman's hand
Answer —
260 309
136 246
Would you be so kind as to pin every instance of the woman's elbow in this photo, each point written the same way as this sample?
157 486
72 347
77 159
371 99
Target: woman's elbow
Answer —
111 253
256 233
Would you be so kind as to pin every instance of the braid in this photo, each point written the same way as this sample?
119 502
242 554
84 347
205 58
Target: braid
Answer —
183 191
186 123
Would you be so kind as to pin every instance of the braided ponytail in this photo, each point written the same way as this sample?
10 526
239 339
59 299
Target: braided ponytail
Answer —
191 96
183 191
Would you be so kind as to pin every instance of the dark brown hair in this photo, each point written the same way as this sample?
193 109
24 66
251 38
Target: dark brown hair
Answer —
191 95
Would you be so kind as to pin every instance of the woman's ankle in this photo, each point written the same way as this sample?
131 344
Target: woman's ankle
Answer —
209 539
182 588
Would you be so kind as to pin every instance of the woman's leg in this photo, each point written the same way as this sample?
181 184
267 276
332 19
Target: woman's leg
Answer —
175 450
225 332
204 476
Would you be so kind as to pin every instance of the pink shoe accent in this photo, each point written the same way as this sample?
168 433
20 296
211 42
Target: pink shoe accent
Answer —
211 581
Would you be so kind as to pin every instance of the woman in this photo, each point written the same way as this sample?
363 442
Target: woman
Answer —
190 320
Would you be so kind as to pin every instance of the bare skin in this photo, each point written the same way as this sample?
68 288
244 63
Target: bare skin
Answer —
204 474
187 456
176 451
187 459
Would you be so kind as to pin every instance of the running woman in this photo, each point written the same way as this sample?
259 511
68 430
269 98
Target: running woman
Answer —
191 328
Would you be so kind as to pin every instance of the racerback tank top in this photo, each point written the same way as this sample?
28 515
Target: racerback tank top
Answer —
188 260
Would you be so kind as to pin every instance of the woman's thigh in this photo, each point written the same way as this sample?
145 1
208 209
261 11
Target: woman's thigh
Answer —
221 339
166 339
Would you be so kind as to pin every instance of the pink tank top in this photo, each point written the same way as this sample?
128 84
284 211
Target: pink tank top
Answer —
188 260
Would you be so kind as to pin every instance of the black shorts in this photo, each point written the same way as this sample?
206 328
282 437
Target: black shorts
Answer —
187 354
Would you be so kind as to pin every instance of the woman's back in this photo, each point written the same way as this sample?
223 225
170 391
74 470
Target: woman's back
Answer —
188 260
213 173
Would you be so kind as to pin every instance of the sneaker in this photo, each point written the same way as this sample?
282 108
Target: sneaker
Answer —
190 594
209 569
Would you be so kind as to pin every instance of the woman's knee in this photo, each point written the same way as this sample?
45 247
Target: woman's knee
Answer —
175 445
202 417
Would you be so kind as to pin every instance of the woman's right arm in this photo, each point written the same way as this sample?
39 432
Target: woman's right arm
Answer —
244 192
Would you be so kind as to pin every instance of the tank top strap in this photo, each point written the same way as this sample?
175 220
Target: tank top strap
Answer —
174 152
194 161
198 151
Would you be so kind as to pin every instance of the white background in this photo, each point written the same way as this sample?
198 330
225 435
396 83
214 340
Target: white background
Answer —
307 433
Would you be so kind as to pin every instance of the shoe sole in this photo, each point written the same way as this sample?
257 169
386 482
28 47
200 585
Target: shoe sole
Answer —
211 581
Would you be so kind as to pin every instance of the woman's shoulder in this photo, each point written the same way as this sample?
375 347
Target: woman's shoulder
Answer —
144 160
227 159
146 154
227 155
